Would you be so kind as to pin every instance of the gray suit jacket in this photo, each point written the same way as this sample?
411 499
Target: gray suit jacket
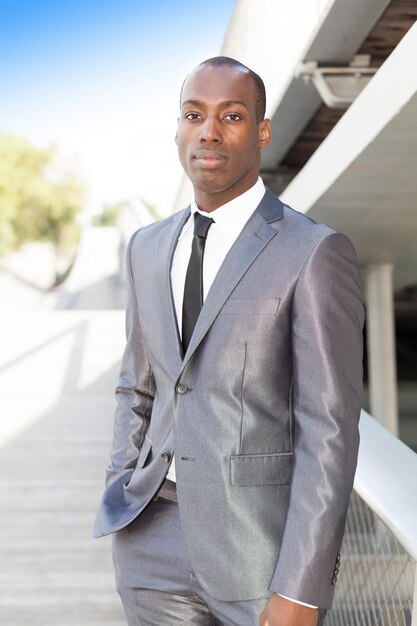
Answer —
261 411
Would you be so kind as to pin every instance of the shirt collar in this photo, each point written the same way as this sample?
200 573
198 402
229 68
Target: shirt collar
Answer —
231 217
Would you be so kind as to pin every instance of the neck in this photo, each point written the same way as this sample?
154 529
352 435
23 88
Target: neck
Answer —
212 200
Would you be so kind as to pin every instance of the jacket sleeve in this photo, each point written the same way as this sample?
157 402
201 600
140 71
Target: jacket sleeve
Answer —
135 390
327 396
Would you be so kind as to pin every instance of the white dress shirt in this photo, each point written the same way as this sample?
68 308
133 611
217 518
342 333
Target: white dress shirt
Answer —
229 220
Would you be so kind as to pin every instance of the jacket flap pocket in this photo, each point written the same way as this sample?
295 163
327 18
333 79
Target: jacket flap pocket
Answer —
261 469
144 451
251 306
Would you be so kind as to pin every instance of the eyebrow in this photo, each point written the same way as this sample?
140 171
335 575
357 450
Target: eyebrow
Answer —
225 103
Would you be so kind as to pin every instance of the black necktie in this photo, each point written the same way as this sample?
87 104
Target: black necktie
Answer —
193 290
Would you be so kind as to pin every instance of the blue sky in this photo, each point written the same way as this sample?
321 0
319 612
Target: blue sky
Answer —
100 79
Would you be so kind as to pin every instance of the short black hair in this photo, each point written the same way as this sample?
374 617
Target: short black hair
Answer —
260 95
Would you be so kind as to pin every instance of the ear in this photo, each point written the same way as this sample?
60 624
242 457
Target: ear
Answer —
176 134
264 133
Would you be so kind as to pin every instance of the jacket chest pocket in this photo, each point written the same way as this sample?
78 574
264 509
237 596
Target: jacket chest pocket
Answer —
251 306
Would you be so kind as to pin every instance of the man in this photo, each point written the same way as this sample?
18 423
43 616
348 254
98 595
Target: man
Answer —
256 397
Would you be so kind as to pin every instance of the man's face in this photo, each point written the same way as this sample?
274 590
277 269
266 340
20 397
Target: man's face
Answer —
219 137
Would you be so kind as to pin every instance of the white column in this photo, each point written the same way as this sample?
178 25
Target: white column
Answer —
380 330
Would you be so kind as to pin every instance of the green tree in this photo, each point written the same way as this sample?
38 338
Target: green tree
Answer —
108 216
37 202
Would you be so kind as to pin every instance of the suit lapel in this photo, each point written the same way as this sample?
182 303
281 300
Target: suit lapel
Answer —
165 247
256 234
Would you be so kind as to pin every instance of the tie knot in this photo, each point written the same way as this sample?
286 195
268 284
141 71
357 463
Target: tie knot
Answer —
202 224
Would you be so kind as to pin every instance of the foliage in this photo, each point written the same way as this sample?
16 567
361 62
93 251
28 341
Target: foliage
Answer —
108 215
37 203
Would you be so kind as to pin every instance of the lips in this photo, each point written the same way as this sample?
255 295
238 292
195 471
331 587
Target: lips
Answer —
209 158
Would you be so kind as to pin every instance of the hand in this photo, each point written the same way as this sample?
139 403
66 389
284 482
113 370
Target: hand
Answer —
282 612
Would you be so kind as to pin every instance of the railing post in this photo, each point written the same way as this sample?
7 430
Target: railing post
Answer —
381 344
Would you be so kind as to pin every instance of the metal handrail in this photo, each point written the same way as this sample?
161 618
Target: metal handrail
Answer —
131 216
386 479
378 579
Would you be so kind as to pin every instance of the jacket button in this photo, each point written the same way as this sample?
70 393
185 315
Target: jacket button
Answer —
181 388
165 457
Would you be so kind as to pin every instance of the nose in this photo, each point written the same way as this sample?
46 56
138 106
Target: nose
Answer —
210 131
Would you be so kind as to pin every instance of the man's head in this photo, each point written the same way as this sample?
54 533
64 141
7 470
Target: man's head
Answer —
260 95
221 129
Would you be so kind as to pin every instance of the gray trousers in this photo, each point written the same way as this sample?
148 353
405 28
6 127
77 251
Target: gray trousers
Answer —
155 580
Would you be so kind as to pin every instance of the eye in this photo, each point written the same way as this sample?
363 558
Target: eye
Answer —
233 117
192 116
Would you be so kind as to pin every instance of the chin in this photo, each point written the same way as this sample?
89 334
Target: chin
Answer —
209 183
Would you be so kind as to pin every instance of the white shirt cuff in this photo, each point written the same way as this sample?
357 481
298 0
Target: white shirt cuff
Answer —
298 601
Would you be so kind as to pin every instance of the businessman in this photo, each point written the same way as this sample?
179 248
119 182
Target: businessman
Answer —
235 438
